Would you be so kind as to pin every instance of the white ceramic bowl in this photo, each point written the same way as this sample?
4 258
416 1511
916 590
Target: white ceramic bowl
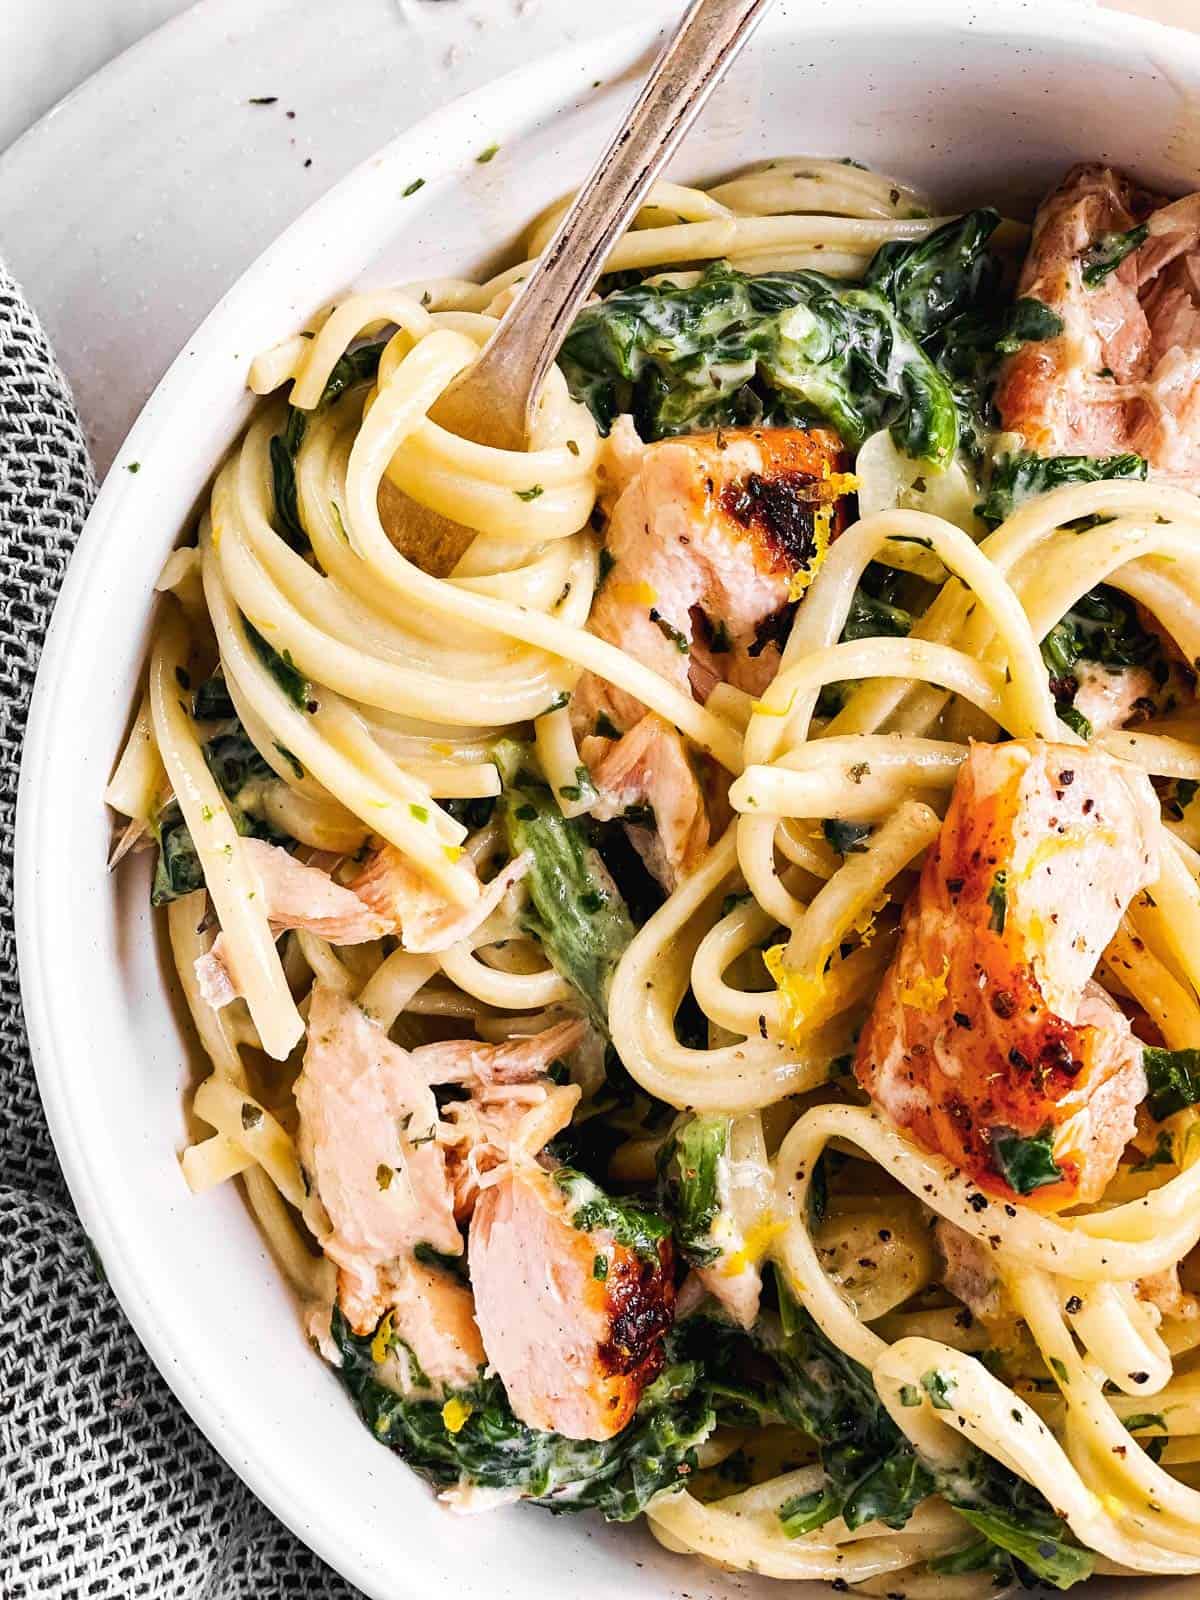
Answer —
977 103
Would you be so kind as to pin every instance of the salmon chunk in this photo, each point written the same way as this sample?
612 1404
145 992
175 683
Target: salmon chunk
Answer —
432 1315
1124 374
296 895
712 536
520 1059
572 1320
988 1040
710 539
647 771
368 1125
408 904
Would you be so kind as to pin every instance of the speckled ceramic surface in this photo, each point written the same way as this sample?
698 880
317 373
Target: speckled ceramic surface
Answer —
129 211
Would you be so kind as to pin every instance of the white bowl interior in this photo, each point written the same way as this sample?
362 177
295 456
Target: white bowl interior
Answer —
976 106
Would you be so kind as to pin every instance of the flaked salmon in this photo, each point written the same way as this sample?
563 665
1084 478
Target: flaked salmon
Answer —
988 1041
368 1142
296 895
432 1315
1124 373
647 775
412 907
572 1320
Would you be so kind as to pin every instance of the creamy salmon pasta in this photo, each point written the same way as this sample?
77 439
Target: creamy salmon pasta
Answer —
700 966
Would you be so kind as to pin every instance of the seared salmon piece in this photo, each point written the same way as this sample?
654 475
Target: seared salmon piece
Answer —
368 1125
572 1321
296 895
988 1042
710 539
1124 374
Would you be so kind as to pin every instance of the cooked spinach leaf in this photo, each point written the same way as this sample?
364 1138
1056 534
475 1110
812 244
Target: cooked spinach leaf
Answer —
356 366
177 871
281 667
1108 252
948 288
872 615
1037 1540
781 347
488 1447
236 765
1173 1080
793 1374
1022 475
689 1184
211 701
574 908
1101 627
948 273
846 837
591 1210
803 1513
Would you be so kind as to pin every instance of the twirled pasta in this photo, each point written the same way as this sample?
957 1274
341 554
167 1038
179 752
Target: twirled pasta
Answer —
411 665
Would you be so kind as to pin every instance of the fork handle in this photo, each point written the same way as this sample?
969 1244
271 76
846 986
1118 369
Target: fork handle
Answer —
516 359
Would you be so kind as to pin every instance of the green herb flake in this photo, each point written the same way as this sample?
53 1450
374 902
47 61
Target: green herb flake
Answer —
669 631
939 1386
487 155
417 183
133 466
252 1115
910 1395
1059 1369
600 1268
534 492
997 899
384 1175
419 813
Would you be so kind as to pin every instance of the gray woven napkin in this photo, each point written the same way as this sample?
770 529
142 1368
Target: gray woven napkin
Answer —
107 1489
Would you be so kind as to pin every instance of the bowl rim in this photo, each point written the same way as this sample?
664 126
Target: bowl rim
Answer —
438 145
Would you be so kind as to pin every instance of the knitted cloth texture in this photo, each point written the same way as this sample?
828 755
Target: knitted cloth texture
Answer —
108 1490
